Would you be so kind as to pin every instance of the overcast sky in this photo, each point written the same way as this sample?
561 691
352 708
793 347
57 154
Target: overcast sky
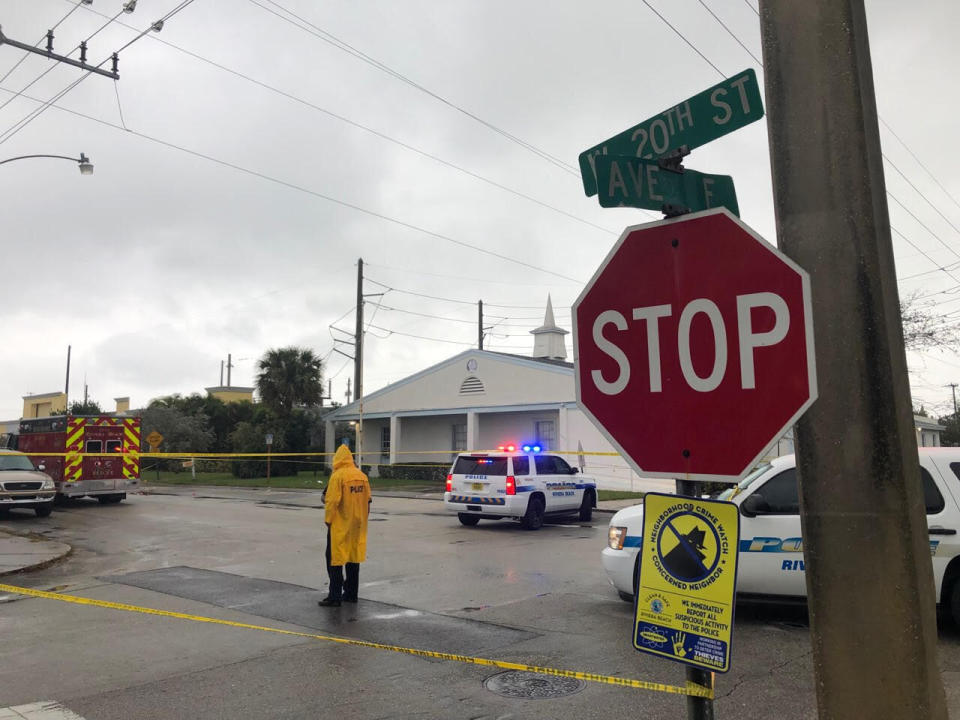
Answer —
229 215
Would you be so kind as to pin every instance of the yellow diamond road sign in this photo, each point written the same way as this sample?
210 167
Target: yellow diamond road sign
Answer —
154 439
688 575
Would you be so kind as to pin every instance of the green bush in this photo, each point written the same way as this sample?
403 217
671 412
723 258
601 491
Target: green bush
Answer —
428 473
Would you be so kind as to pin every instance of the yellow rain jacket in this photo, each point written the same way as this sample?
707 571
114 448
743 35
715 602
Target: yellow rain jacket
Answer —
347 508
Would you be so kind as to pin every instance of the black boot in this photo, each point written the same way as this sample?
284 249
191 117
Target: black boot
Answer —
328 602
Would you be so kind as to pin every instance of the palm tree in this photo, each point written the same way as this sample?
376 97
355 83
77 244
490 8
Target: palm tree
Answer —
289 377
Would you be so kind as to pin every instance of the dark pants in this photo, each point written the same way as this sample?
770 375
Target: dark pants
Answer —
339 590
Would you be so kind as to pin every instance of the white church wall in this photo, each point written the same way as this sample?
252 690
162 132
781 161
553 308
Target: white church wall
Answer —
505 382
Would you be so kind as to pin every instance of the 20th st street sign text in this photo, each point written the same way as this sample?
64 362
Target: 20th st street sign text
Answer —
694 347
721 109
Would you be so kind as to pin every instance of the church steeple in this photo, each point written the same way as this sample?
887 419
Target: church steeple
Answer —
548 338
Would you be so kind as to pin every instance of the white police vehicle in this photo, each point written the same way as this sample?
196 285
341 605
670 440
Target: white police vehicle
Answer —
771 546
517 482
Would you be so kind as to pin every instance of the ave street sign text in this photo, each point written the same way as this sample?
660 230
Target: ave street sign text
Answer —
634 182
694 347
721 109
688 575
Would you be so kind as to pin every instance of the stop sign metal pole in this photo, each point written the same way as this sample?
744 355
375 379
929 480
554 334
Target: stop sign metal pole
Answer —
698 708
868 569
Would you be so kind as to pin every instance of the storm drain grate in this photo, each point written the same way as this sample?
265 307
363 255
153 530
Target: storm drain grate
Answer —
526 685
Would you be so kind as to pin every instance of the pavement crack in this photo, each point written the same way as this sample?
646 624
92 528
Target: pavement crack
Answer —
768 673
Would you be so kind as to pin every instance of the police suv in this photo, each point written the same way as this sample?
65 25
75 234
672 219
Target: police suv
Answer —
520 483
771 546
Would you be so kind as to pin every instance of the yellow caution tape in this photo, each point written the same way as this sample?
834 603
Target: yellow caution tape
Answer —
275 455
691 689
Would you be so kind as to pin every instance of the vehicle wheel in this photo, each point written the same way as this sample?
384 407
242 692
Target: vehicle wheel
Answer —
44 510
110 499
955 602
636 574
468 519
586 506
626 597
533 518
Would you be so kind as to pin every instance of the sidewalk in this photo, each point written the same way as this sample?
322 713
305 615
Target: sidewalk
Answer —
28 552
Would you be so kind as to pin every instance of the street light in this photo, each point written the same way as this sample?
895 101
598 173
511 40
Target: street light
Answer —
86 167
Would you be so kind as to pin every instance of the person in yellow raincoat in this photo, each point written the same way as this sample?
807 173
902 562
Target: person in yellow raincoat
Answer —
347 500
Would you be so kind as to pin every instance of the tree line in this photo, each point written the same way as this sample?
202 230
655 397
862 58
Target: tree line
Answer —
289 383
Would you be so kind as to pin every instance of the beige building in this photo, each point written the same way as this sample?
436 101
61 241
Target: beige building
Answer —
44 404
231 393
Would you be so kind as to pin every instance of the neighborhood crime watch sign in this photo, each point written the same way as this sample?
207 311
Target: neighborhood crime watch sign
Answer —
688 575
694 347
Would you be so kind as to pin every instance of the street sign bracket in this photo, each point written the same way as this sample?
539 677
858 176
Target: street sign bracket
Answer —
673 160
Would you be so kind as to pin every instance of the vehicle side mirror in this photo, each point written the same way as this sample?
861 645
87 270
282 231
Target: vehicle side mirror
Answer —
574 471
754 505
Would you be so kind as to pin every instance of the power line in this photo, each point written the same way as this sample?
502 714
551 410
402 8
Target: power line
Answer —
920 193
51 68
452 300
314 193
447 276
730 32
10 132
327 37
27 54
892 196
419 337
367 129
684 38
913 155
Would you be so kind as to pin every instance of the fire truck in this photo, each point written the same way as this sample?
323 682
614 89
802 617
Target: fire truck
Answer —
96 455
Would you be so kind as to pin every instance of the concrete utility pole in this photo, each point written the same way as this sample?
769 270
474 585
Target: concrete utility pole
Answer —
480 324
358 359
868 569
66 385
229 368
953 386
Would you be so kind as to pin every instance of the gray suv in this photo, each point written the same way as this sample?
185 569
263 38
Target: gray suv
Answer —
23 486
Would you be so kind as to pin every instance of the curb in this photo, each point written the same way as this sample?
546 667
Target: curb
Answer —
34 537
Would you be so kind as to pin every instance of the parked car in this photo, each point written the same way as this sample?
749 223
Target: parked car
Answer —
23 486
522 483
770 563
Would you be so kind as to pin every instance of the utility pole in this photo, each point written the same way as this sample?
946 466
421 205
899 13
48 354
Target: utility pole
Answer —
229 368
221 373
348 391
953 386
869 576
358 359
480 324
66 387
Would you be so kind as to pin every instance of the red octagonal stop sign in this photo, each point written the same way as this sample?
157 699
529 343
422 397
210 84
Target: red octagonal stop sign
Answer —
695 346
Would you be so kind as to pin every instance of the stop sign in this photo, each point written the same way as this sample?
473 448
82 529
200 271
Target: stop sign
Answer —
694 347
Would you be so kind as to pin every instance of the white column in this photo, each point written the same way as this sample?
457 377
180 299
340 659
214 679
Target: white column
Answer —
563 438
473 431
394 438
329 441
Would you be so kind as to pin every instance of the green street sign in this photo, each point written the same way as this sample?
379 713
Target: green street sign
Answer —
634 182
713 113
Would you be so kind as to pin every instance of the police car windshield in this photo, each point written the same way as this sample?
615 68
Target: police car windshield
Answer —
480 465
745 483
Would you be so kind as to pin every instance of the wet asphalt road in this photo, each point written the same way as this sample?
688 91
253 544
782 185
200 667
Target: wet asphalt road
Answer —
493 591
